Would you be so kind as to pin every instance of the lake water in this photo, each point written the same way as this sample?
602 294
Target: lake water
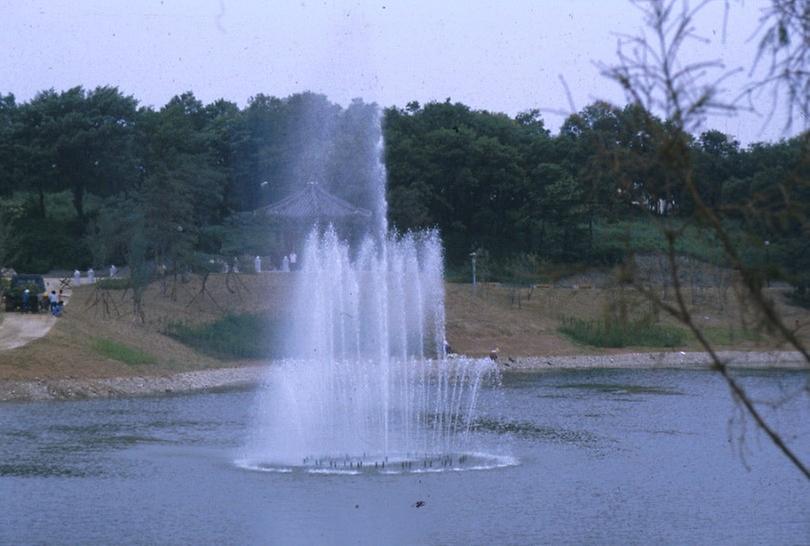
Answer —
607 456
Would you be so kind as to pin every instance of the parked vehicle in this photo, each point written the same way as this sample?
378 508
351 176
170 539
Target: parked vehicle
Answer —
15 299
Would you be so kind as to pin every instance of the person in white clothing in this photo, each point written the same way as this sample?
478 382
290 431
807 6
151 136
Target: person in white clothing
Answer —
77 277
113 270
91 276
285 264
257 264
293 260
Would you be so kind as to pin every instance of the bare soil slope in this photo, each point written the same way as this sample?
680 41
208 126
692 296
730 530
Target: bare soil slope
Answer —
518 322
69 350
523 322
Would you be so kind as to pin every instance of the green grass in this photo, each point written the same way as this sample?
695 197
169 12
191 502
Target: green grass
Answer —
521 269
114 284
617 239
232 336
123 353
645 236
613 333
720 335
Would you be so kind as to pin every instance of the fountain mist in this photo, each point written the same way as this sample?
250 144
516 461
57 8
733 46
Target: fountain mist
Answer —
369 383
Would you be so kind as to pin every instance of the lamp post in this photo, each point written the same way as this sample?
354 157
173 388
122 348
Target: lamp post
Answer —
473 256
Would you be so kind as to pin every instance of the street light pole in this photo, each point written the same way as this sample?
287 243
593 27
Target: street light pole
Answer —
473 256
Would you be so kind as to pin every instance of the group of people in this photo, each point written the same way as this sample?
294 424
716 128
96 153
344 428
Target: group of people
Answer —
91 275
288 263
56 303
52 301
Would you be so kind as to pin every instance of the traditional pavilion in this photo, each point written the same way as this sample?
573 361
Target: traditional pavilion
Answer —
311 206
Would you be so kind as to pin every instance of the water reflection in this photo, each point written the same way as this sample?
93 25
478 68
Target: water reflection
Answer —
614 456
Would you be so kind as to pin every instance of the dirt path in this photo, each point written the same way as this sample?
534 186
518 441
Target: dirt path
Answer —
18 329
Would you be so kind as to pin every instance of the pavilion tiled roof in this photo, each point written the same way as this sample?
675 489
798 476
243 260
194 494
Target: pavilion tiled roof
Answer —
313 202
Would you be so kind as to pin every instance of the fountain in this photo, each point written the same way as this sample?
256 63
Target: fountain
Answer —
369 386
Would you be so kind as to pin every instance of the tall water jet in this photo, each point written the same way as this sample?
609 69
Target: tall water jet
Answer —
368 383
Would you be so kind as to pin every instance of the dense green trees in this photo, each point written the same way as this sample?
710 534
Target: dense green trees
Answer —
508 186
84 173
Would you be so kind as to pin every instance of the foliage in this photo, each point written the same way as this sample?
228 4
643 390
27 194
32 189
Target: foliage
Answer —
232 336
615 240
727 336
612 333
88 173
115 350
32 244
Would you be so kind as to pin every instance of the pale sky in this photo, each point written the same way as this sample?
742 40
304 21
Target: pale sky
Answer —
506 55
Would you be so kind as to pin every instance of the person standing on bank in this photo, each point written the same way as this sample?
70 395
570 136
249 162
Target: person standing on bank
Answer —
54 301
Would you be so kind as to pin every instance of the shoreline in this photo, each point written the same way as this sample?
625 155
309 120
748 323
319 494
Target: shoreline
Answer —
226 378
213 379
783 360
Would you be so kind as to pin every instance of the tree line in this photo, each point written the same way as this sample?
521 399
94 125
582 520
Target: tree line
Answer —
89 177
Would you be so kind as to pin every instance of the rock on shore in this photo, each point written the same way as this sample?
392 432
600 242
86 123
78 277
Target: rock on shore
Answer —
665 359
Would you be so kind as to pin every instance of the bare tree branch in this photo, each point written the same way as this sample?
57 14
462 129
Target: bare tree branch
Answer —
654 79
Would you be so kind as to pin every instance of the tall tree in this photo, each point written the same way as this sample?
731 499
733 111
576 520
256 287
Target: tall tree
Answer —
88 139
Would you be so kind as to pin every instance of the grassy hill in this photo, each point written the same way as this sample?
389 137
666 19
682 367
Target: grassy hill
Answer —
239 321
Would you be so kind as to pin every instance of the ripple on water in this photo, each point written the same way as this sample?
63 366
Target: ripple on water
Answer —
526 429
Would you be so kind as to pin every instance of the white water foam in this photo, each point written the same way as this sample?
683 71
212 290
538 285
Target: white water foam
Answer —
368 382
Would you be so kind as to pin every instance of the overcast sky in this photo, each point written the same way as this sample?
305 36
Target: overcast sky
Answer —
506 55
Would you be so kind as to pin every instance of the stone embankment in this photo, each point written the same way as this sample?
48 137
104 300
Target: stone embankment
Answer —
674 359
249 376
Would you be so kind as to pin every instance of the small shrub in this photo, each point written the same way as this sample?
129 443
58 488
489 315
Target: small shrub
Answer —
232 336
123 353
614 333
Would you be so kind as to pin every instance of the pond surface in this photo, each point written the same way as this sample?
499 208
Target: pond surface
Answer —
606 456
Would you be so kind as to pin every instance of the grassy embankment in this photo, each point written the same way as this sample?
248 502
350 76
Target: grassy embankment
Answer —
617 317
232 336
617 334
98 337
120 352
236 323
